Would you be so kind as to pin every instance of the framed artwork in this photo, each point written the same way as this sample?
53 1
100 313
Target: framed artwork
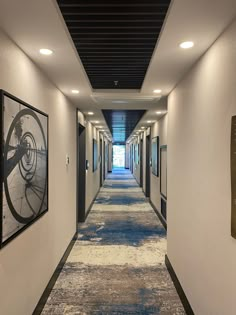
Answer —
155 156
24 166
163 171
95 155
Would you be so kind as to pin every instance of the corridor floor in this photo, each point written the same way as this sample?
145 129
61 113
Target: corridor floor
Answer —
117 263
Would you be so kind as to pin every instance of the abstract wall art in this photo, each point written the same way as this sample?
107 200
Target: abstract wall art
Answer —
24 166
155 156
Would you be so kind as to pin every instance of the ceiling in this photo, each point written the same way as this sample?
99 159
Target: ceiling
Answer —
200 21
122 122
114 39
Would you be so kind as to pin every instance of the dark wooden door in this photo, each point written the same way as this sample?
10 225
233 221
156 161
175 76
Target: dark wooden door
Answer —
81 172
147 191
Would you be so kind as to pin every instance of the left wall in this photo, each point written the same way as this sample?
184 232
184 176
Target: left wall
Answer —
28 261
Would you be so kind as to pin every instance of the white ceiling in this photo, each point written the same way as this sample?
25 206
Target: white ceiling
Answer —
35 24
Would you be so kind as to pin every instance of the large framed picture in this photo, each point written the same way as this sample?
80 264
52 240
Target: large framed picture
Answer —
95 155
155 156
24 166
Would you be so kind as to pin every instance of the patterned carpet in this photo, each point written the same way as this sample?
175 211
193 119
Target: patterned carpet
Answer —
117 263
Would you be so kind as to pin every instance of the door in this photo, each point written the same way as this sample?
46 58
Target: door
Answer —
101 163
131 158
141 163
104 160
147 192
81 172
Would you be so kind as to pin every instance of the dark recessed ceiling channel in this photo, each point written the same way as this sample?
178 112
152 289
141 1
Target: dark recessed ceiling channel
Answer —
115 39
122 122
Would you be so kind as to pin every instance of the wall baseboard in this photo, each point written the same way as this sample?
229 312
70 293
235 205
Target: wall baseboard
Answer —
137 181
39 307
179 289
163 221
91 205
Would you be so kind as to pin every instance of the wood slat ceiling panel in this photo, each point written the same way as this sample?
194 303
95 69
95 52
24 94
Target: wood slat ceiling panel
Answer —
115 39
122 122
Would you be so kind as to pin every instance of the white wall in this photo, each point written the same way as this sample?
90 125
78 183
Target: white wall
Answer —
127 157
136 170
110 157
106 157
200 247
92 178
28 261
159 129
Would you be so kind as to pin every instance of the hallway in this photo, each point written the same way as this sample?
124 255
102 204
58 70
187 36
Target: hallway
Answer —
117 263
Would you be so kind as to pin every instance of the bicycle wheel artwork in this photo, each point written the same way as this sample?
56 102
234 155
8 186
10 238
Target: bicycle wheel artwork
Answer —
24 166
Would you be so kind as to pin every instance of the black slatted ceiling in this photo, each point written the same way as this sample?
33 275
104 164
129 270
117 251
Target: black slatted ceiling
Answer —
122 122
115 39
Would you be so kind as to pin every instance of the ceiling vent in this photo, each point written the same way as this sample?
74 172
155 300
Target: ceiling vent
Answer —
115 39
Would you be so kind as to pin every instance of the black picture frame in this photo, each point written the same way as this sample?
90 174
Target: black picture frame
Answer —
163 192
155 156
95 155
24 166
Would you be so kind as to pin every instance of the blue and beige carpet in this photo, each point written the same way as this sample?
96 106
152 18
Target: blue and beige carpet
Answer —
116 266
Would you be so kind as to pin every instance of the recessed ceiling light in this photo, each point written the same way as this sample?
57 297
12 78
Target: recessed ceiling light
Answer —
90 113
187 45
149 121
45 51
96 122
142 127
75 91
158 113
158 91
99 126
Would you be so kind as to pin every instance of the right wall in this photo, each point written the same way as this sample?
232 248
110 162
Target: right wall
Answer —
200 247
